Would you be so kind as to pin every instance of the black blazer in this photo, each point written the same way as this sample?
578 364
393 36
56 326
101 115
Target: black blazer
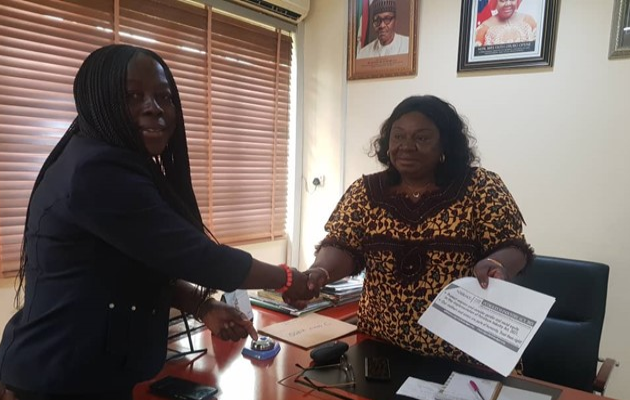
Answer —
103 251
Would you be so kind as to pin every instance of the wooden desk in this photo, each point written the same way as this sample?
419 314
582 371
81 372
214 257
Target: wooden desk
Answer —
240 378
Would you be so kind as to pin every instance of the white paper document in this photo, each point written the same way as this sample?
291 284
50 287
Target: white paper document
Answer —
419 389
492 325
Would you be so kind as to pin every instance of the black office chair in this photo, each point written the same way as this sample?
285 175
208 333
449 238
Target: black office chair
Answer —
565 350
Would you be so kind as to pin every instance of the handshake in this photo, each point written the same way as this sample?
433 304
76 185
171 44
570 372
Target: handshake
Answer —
306 286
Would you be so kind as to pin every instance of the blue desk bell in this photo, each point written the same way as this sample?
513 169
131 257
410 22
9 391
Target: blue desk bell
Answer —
262 349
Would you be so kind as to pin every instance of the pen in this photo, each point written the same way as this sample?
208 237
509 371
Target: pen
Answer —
476 389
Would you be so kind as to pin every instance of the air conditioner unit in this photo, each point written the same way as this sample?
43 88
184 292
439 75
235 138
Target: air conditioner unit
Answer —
292 11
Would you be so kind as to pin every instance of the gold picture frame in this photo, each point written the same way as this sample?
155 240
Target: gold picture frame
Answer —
368 57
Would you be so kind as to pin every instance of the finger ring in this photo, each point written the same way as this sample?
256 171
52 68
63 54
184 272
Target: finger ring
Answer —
495 262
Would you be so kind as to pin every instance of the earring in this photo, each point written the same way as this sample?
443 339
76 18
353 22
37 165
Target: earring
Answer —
442 158
387 152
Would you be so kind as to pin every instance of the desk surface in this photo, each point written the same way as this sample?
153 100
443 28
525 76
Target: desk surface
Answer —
240 378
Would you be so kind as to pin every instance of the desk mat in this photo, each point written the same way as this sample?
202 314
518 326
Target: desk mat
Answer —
404 364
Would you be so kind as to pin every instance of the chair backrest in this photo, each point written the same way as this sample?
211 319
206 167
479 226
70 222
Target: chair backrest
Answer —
566 348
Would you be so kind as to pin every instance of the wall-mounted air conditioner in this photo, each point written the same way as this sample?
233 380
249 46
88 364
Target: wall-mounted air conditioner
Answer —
293 11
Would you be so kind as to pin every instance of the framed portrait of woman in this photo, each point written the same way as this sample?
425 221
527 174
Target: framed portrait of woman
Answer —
507 34
382 38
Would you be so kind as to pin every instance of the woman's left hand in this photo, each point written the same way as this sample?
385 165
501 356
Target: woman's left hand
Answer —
486 268
228 322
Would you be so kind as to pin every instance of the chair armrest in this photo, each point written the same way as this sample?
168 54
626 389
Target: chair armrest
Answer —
601 380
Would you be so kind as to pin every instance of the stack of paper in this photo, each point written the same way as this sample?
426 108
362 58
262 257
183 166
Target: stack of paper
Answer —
459 387
345 290
272 300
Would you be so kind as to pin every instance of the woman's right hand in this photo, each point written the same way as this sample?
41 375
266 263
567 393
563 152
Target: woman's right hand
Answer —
315 280
299 293
227 322
6 394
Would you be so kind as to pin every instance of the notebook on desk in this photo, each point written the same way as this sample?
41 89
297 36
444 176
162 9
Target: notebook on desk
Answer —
459 387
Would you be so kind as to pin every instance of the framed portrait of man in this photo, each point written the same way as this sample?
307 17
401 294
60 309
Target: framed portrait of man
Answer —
507 34
382 38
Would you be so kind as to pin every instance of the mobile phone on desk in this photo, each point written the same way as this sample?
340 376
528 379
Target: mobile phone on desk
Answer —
182 389
377 369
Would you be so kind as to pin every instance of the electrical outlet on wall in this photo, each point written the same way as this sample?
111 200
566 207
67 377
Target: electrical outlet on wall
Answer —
319 180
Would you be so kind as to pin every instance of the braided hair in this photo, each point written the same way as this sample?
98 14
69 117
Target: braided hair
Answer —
100 88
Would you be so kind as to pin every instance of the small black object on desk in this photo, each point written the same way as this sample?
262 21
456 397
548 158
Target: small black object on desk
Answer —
328 353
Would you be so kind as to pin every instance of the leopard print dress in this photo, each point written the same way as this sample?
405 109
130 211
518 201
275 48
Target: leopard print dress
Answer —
412 249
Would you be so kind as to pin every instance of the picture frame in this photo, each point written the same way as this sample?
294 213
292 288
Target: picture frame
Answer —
367 56
620 30
487 41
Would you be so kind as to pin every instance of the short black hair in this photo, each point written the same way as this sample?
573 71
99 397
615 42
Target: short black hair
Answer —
455 138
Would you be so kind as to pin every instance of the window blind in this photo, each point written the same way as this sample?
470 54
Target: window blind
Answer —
42 44
250 76
178 32
233 77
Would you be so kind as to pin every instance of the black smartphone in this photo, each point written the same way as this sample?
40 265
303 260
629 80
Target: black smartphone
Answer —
182 389
377 369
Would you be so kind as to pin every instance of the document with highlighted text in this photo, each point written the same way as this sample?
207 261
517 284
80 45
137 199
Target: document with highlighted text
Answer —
492 325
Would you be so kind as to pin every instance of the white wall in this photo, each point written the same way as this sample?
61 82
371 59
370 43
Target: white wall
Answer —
558 136
323 119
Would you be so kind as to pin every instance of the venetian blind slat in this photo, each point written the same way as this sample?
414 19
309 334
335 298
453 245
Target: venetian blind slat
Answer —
42 44
237 128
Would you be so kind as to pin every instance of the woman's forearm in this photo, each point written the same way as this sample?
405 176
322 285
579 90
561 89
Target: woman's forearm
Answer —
187 297
264 275
291 282
337 263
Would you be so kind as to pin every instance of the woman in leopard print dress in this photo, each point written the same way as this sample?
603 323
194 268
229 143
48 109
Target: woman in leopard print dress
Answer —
429 218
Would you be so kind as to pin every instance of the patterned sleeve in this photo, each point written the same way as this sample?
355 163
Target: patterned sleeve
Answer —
346 225
499 221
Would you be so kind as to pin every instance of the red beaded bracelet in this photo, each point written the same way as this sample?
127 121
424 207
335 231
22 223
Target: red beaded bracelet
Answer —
289 280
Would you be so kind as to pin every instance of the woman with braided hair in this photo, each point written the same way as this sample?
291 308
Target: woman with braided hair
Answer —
114 238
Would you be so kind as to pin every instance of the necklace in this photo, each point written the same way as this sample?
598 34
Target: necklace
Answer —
416 191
